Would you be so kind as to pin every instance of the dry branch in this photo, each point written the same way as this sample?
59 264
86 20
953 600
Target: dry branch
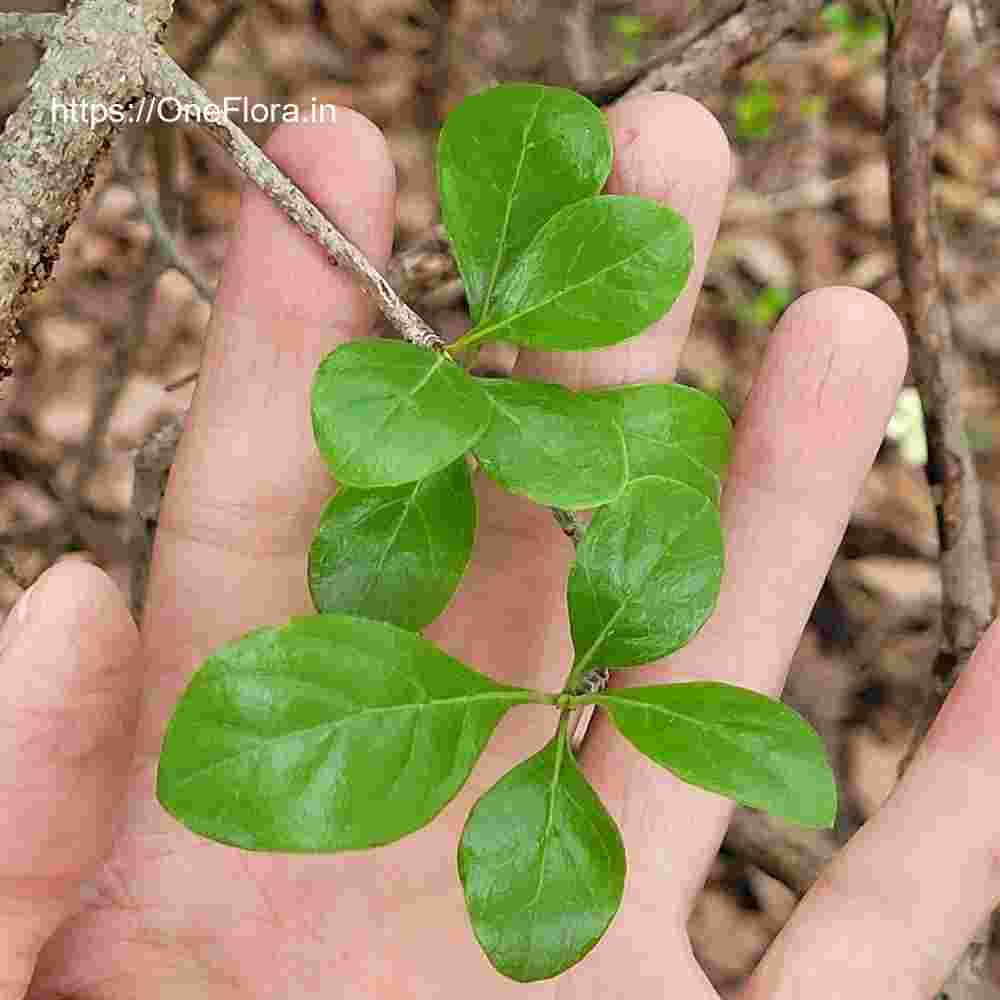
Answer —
616 86
737 40
916 50
914 64
47 159
164 77
164 240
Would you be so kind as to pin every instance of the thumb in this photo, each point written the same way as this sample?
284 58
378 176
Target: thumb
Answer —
69 682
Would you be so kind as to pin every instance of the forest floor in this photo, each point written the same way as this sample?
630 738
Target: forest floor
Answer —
808 207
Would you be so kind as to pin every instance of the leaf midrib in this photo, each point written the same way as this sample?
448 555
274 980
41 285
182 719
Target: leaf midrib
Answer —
582 664
721 731
399 401
376 575
502 242
514 697
550 815
491 329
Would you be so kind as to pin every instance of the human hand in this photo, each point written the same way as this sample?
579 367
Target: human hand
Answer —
168 914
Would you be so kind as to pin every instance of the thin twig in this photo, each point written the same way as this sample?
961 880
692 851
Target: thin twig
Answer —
152 463
914 62
164 239
581 59
981 20
201 52
181 382
572 527
614 87
38 28
737 40
915 54
166 78
113 382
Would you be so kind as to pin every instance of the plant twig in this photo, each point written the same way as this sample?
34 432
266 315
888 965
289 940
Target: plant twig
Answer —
165 242
915 54
737 40
152 463
615 86
914 62
579 54
572 527
93 58
166 78
38 28
201 52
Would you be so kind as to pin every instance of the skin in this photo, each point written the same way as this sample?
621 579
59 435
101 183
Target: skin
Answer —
112 899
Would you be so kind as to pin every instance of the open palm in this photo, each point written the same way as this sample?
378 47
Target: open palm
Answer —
167 914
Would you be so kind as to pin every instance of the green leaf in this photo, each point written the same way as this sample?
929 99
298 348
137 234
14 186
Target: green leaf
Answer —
672 431
549 444
508 160
732 741
543 867
395 554
598 272
385 412
646 576
328 734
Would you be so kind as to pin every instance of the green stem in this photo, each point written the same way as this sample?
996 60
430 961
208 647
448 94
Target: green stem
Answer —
543 698
474 336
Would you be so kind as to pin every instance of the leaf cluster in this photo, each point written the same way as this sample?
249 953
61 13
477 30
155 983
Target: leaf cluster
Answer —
347 729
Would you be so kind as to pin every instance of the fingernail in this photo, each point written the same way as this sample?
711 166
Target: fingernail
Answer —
16 619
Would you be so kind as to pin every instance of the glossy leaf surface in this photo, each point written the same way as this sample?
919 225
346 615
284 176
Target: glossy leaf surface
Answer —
328 734
543 867
508 160
733 741
646 576
552 445
396 554
386 412
672 431
598 272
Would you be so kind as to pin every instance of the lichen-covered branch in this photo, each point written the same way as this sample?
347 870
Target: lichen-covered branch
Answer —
51 142
165 77
29 27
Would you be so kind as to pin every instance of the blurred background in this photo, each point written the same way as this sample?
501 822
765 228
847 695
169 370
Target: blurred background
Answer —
111 346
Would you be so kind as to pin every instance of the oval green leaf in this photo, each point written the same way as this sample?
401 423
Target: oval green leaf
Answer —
551 445
598 272
508 160
398 554
385 412
646 576
328 734
672 431
543 867
732 741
